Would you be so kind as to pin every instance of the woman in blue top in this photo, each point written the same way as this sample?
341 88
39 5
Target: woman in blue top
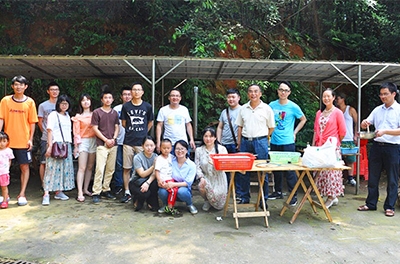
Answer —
183 172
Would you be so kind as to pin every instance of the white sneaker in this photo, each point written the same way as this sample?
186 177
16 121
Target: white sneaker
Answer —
206 206
46 200
2 199
352 182
61 196
22 201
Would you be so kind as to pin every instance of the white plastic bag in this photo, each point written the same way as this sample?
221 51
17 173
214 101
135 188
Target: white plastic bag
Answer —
321 157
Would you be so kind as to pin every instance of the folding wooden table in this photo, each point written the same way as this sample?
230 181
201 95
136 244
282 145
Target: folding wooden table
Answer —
262 167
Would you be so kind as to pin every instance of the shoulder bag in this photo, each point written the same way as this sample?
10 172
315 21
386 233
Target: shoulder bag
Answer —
59 150
230 126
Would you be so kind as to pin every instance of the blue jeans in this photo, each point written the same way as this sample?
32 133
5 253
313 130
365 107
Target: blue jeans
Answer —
291 177
118 173
255 146
184 195
231 148
383 157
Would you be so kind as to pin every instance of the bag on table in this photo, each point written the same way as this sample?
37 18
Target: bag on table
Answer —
59 150
321 157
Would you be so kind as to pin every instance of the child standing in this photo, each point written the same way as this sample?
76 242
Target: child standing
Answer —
6 155
163 170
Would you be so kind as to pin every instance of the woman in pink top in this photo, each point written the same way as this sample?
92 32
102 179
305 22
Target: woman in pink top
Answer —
329 122
85 145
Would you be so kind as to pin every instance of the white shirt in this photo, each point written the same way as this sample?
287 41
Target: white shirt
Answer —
383 117
255 122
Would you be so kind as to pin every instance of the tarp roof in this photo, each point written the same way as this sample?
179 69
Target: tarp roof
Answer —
79 67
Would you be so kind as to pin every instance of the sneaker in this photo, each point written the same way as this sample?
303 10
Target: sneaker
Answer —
4 205
2 199
172 211
22 201
108 195
46 200
192 209
275 195
162 209
261 206
61 196
293 202
206 206
126 198
352 182
96 199
118 190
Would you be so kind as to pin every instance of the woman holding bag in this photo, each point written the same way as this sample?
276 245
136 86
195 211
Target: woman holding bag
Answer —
59 173
329 122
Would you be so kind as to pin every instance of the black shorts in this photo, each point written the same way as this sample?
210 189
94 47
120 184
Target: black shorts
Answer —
22 156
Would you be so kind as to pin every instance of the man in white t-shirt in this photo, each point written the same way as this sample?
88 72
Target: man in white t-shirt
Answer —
175 120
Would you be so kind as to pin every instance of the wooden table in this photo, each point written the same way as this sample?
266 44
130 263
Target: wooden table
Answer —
262 167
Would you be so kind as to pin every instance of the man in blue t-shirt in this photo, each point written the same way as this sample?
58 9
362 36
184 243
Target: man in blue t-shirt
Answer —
284 136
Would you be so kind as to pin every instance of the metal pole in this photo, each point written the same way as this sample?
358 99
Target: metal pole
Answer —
153 92
358 120
196 93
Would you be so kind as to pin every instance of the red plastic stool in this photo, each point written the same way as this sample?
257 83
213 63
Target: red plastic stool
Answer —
363 159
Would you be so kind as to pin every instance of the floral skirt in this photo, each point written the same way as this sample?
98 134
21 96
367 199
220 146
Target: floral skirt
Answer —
330 183
59 173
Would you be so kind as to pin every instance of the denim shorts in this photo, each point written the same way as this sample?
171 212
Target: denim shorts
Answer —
88 145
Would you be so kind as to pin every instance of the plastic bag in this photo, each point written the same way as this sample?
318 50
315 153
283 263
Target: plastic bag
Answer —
321 157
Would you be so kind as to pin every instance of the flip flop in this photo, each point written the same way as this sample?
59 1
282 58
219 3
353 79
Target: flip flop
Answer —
80 199
87 194
363 208
389 212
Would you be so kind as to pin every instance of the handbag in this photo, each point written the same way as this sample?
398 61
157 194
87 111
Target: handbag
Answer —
324 156
59 150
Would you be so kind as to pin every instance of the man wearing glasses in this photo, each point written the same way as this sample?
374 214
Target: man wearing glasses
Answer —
175 120
283 139
44 110
137 119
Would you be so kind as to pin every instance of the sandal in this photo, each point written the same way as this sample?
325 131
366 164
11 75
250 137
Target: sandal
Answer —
80 199
389 212
87 193
363 208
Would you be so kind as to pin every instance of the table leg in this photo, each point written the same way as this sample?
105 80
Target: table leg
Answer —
314 186
296 186
231 184
261 180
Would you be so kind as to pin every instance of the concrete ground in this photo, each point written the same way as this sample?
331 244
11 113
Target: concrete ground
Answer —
111 232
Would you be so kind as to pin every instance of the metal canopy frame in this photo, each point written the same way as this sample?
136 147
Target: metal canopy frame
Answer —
155 69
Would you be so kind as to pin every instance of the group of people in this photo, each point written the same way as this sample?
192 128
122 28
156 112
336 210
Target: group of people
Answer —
116 143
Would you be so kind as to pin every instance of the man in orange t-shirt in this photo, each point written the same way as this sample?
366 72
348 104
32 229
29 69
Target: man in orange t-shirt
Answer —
18 116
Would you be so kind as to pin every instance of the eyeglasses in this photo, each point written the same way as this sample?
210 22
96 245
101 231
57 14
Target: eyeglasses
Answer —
64 103
283 90
384 94
137 90
180 149
54 90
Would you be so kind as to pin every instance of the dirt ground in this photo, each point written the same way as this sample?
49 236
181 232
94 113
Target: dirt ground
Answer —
71 232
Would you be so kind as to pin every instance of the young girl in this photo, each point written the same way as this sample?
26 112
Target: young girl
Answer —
6 155
163 170
84 146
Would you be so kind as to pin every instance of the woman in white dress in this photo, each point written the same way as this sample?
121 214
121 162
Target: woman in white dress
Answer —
213 183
